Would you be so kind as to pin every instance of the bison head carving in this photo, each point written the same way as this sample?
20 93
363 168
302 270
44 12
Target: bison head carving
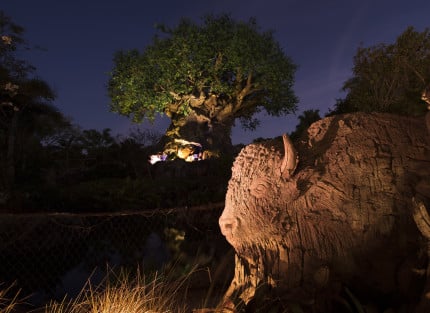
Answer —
260 192
344 214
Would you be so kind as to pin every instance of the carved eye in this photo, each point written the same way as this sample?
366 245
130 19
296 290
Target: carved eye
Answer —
260 187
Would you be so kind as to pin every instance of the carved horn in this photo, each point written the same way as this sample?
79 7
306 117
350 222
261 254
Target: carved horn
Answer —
291 158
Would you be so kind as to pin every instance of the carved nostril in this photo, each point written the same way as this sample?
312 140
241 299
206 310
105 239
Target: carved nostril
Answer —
227 225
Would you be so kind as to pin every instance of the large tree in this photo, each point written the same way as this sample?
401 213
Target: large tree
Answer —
204 77
390 77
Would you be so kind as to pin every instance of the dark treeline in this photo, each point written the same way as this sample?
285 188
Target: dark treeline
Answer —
68 169
73 169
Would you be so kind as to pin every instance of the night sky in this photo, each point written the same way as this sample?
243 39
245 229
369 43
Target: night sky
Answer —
79 38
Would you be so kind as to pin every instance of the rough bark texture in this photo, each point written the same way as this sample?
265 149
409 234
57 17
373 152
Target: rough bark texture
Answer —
213 135
344 215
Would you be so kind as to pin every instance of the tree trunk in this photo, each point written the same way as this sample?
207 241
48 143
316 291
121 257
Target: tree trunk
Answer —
212 135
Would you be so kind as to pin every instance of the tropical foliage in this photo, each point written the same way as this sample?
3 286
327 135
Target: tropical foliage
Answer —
390 77
26 112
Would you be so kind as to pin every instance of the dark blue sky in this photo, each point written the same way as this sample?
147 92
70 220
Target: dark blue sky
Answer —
80 37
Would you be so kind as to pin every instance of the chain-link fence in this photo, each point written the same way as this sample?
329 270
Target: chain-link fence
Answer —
51 255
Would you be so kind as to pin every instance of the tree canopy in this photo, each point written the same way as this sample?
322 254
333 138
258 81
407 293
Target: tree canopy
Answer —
389 77
210 73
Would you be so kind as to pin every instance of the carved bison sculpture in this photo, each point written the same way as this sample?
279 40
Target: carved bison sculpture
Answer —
341 216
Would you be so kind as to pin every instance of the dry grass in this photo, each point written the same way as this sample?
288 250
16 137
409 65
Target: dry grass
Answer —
118 293
8 303
125 295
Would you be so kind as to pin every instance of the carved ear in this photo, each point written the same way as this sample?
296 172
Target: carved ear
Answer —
291 158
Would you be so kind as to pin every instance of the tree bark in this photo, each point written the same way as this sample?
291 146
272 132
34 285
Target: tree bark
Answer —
213 135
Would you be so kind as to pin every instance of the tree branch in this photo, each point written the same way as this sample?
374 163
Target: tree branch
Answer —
246 90
175 96
197 102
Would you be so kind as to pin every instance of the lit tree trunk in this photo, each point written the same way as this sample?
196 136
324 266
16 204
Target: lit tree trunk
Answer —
213 135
